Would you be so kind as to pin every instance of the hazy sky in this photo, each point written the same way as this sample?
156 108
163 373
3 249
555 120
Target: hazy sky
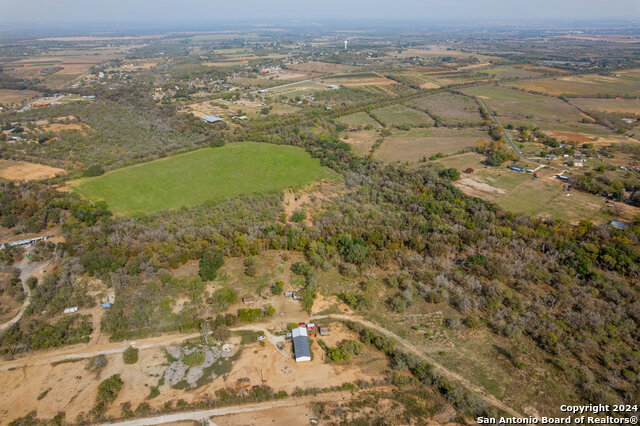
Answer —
182 11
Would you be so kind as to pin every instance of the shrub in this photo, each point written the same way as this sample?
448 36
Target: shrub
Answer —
194 359
209 264
130 355
217 143
94 170
277 288
298 216
97 363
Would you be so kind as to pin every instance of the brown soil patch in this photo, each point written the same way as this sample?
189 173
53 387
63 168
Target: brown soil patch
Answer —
477 189
58 127
22 170
570 136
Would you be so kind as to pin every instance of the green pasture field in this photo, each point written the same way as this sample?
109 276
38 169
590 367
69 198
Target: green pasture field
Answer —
203 175
397 115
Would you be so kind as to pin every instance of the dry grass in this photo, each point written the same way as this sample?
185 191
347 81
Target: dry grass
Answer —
22 170
415 144
10 97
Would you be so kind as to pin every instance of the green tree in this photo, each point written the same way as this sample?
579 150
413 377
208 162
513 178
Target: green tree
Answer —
209 264
130 355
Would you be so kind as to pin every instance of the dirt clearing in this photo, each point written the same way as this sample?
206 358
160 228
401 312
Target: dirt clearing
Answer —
22 170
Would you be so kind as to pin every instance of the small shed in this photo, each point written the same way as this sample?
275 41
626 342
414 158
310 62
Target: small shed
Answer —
248 300
324 331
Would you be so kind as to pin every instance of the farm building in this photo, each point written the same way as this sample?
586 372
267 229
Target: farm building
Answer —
211 119
333 86
248 300
618 225
301 344
517 168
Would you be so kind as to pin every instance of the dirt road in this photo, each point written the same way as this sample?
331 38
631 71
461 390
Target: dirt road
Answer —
235 409
27 268
88 350
487 397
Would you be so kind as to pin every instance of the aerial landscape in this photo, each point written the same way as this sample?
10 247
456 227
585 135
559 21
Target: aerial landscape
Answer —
348 213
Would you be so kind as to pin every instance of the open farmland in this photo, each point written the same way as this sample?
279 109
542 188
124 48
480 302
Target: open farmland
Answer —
516 107
358 119
627 83
415 144
8 96
450 108
626 106
398 115
361 141
207 174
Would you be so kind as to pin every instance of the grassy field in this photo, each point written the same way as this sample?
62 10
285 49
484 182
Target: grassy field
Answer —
397 115
452 108
627 83
513 106
358 119
415 144
628 106
203 175
519 193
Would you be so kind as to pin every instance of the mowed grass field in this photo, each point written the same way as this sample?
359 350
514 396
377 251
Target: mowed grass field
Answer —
207 174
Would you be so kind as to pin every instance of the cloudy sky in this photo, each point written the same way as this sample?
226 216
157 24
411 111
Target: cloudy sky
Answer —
184 11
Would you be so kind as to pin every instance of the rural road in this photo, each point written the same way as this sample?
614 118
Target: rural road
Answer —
26 269
88 351
488 398
513 145
236 409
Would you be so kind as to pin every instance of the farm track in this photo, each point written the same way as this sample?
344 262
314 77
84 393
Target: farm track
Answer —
482 393
205 415
26 269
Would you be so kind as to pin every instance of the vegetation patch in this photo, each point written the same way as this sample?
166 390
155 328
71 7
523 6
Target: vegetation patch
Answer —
204 175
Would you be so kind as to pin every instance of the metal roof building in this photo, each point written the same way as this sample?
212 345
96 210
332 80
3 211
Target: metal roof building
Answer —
618 225
301 344
211 118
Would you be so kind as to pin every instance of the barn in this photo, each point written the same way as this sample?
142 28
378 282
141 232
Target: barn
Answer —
301 344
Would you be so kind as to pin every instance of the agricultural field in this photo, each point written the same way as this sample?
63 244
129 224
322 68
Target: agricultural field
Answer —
624 106
398 115
15 97
625 84
520 108
359 119
321 68
450 108
358 79
361 141
417 144
515 72
203 175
